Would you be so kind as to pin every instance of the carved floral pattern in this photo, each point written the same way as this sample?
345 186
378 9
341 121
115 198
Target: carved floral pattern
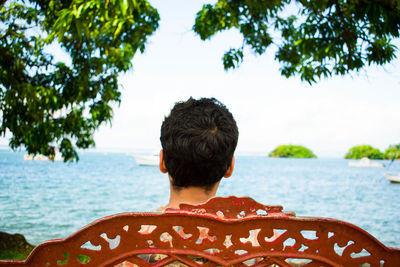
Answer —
202 236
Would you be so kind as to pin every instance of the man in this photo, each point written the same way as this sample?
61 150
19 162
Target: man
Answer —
198 139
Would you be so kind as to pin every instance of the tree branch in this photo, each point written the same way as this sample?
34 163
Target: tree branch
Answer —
346 34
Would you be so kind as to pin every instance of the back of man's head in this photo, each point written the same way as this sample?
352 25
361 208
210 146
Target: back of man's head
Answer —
198 139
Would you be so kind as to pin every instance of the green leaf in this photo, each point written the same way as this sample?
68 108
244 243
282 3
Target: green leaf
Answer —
119 29
298 42
124 7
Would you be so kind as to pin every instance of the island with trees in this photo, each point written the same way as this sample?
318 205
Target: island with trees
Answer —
364 151
367 151
291 151
393 151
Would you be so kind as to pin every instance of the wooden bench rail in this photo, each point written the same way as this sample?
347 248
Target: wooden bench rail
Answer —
202 236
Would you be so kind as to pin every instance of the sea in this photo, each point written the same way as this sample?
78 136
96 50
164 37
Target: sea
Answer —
51 200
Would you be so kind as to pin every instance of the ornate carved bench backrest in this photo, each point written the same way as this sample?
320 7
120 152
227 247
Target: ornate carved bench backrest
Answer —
223 232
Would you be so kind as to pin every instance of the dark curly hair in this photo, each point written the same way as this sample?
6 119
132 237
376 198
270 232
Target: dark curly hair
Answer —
198 139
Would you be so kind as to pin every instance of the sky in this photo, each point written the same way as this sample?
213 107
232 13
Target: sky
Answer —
328 117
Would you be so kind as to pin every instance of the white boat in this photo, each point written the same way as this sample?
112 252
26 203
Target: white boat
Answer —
365 162
394 178
147 160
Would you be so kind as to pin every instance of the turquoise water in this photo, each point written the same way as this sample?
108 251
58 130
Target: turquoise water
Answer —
47 200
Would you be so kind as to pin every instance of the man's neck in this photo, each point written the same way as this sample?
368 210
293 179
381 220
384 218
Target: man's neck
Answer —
190 195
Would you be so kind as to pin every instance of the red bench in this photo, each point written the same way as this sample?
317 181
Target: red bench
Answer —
222 232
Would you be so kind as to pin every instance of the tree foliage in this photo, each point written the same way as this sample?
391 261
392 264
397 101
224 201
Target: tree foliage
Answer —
358 152
323 38
46 103
291 151
393 151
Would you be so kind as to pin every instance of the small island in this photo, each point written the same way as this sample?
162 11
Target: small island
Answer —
367 151
393 151
291 151
364 151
